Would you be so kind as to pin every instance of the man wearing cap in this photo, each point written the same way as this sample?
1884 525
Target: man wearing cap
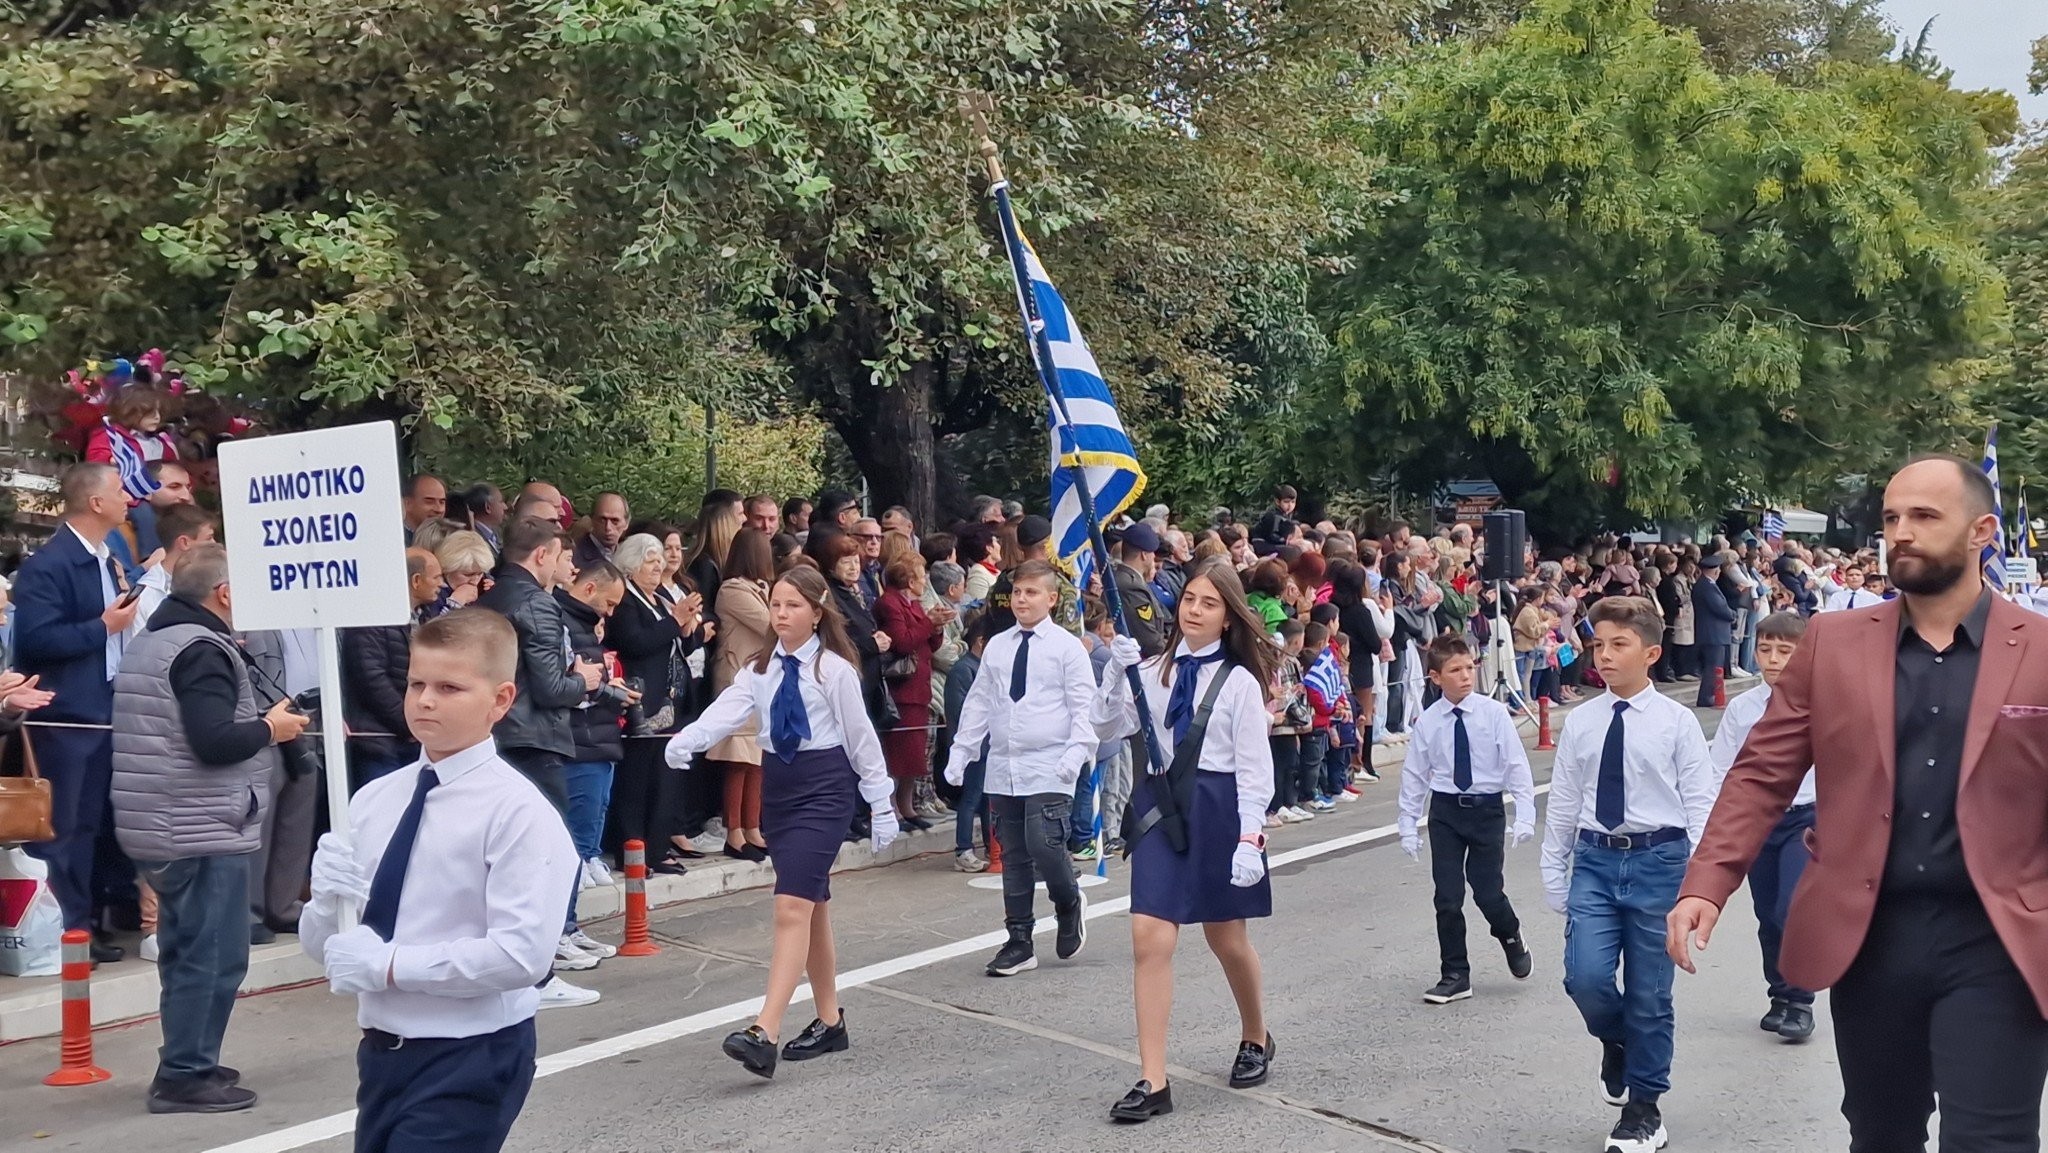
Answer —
1137 558
1034 534
1714 620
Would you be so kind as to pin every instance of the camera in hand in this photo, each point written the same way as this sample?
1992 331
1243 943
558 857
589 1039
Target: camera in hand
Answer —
298 755
621 697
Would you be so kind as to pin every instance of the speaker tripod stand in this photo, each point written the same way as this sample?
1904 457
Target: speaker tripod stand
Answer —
1500 646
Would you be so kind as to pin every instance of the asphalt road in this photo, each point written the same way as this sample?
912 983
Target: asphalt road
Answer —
946 1059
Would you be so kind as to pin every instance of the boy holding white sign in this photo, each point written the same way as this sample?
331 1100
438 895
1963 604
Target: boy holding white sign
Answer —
445 970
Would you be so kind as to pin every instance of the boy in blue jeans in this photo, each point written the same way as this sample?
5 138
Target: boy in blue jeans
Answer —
1629 796
1324 679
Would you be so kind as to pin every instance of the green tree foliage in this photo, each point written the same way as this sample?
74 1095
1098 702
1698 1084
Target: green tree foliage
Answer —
1609 264
2017 226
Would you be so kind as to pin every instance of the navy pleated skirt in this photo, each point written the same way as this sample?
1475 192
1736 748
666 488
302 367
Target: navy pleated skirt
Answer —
806 808
1194 887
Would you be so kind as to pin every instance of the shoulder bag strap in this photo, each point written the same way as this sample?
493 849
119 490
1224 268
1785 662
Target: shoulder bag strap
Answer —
1187 755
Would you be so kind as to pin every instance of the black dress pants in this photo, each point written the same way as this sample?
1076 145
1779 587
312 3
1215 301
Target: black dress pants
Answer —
1933 1008
1467 844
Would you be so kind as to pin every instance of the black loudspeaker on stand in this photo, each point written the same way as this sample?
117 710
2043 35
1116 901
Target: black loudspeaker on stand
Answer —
1507 537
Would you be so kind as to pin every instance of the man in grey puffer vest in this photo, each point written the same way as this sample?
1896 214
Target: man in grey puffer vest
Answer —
193 756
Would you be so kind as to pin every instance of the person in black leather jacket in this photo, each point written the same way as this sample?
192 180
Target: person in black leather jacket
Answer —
534 737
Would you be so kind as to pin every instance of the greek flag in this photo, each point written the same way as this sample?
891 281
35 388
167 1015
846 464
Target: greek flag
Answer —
1993 560
1088 436
1774 525
134 471
1325 677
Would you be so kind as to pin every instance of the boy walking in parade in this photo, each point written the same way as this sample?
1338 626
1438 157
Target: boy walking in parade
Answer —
1779 866
1465 759
458 864
1034 700
1629 797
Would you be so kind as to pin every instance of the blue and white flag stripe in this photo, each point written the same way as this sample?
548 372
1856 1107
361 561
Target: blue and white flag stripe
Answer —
135 478
1774 524
1091 436
1993 559
1325 677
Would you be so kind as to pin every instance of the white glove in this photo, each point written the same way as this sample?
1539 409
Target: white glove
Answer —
883 826
358 961
1124 653
337 877
1558 902
1411 844
1247 865
1520 836
679 753
956 769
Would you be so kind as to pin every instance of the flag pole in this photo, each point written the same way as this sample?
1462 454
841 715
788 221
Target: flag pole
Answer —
977 108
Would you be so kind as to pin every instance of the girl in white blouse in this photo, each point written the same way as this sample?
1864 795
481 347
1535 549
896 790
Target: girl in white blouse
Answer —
1202 859
818 751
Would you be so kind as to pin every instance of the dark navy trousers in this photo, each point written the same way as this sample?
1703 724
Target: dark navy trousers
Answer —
440 1094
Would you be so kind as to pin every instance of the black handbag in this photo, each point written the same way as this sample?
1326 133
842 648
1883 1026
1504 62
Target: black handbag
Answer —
1170 804
899 668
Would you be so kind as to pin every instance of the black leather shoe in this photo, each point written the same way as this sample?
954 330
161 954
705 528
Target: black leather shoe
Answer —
739 854
755 853
102 953
1775 1019
222 1075
1253 1063
199 1095
1798 1024
668 867
1520 963
1142 1104
817 1039
261 934
752 1048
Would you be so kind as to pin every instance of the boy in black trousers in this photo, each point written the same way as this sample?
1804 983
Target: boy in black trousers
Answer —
1466 759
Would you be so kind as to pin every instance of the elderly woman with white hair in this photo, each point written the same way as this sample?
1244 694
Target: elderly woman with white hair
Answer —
466 563
654 639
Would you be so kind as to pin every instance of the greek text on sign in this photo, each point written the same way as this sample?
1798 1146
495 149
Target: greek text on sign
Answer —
315 532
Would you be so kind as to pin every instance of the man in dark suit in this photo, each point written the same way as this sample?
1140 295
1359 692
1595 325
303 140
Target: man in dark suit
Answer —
1714 625
70 624
1925 905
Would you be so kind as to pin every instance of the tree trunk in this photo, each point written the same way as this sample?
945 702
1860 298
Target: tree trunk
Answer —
892 443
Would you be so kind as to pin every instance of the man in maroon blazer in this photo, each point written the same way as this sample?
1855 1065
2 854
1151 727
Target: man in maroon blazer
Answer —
1925 906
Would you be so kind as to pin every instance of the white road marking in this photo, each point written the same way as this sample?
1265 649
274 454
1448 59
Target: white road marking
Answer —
340 1124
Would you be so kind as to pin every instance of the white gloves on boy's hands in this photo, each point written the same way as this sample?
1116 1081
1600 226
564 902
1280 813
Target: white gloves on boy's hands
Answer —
357 961
336 876
1411 844
1520 836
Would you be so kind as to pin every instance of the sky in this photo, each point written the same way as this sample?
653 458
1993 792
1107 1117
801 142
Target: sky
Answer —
1986 42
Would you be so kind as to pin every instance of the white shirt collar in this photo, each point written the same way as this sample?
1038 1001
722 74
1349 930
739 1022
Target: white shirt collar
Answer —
99 550
1640 699
1443 705
805 653
456 764
1182 650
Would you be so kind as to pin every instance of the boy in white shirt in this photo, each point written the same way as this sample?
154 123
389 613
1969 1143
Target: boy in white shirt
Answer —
1464 761
1629 796
457 864
1778 867
1033 699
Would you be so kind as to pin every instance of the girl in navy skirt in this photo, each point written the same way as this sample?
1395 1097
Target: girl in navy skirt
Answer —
819 753
1220 880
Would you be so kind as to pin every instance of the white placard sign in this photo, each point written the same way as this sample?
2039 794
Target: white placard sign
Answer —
2022 572
315 530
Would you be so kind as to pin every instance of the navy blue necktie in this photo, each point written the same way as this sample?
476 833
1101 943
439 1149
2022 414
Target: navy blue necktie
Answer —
1608 806
1180 707
788 723
1461 752
380 911
1020 671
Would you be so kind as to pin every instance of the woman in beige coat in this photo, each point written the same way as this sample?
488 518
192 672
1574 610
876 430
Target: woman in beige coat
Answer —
745 635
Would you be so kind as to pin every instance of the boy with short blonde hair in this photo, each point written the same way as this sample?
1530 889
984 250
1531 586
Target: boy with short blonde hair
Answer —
457 864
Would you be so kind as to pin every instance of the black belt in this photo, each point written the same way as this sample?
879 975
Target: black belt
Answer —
1630 842
1469 800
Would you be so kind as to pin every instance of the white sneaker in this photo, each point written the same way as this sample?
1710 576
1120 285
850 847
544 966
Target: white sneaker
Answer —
570 959
584 878
970 862
1301 814
709 841
591 945
147 950
600 874
560 994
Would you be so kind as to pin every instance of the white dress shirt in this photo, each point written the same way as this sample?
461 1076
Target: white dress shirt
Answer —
481 910
1499 764
1668 781
1038 744
117 643
155 588
833 703
1237 741
1847 598
1741 716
